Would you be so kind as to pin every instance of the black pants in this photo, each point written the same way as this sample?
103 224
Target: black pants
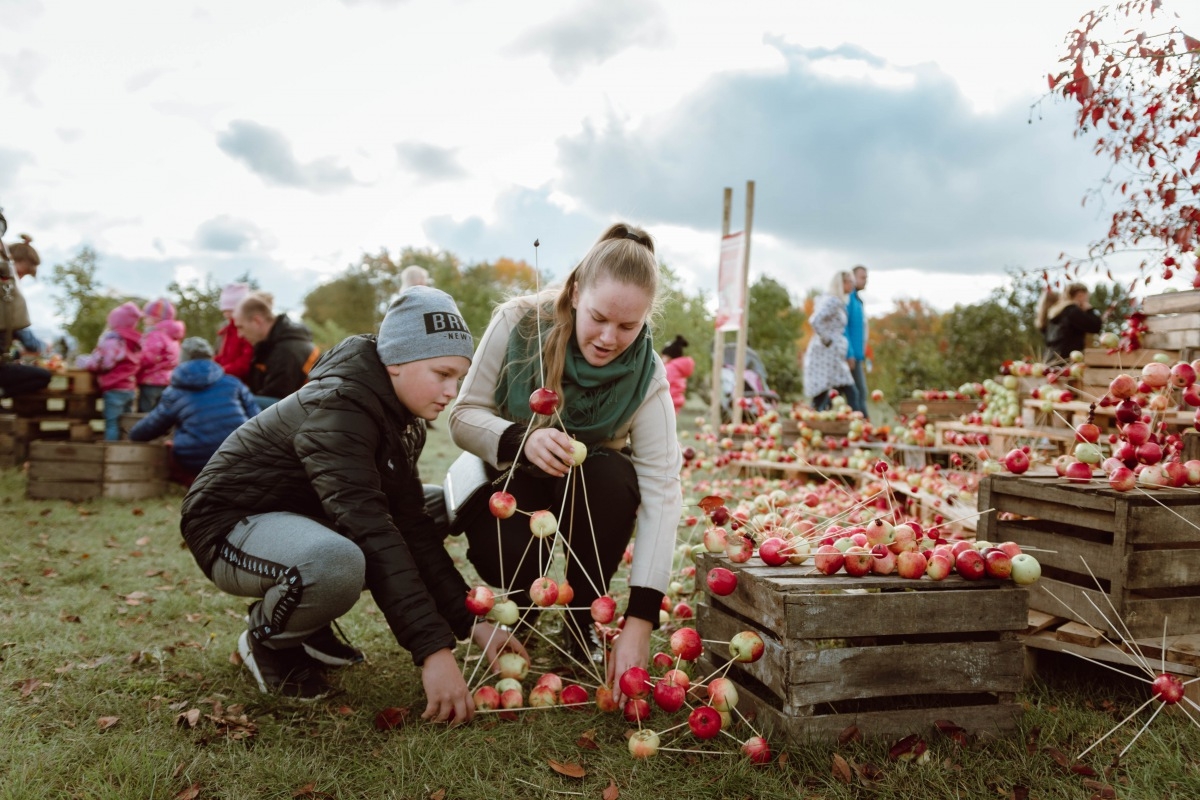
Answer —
18 379
594 548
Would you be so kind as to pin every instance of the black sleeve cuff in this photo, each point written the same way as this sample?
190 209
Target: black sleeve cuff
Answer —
510 443
645 603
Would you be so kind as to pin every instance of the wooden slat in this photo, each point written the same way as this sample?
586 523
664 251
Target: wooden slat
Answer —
1100 357
972 608
1040 621
1060 550
55 451
1179 522
1079 633
1164 569
48 471
1147 617
62 490
135 453
1180 650
1172 340
1108 653
1174 322
1171 303
1046 594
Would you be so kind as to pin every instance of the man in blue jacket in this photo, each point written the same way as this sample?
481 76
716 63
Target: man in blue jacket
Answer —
856 335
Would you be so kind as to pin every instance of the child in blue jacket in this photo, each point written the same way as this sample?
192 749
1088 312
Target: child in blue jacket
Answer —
203 404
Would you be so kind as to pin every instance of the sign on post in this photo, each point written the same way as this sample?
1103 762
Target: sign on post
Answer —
730 285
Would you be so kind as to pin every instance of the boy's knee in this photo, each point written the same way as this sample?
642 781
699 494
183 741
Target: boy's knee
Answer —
337 566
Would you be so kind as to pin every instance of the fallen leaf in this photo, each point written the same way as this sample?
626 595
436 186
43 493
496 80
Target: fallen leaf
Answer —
142 542
190 793
188 718
107 722
29 686
611 792
707 504
440 794
869 771
1019 792
1102 790
850 734
587 740
179 768
1083 769
137 512
65 617
391 718
570 770
1059 757
306 790
841 770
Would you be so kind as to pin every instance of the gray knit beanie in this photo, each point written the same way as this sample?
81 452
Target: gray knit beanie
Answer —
421 323
194 348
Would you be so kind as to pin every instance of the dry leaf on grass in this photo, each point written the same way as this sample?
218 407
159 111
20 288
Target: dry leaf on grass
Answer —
841 770
570 770
587 740
440 794
850 734
190 793
29 686
1100 790
107 722
611 792
188 719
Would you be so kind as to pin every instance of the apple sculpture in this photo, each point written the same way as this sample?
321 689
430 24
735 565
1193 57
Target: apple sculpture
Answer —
643 743
604 608
542 524
502 505
746 647
543 401
686 644
704 722
544 592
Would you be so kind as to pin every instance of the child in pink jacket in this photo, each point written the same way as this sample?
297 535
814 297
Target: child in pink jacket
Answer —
679 369
115 361
160 351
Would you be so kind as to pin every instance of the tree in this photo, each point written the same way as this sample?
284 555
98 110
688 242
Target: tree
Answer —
84 301
1139 93
776 329
909 350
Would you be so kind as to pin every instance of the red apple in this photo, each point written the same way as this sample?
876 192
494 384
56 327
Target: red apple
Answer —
911 564
939 566
480 600
686 644
1122 387
682 611
1087 432
552 680
756 747
662 660
1078 472
884 561
1149 453
1122 479
543 401
705 722
486 698
502 505
1012 548
858 561
1136 433
828 559
739 548
669 696
511 698
544 592
722 694
573 695
772 551
746 647
604 608
721 581
636 709
604 699
542 697
997 563
677 676
714 539
969 564
1168 688
566 593
1016 461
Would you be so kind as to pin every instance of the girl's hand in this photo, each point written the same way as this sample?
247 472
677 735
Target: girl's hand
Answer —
449 699
494 642
550 450
631 649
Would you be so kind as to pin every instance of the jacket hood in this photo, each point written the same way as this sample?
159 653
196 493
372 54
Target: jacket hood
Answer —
195 375
355 359
124 317
161 308
173 328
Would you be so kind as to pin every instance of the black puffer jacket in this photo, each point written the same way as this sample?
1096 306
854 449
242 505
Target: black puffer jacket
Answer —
342 450
282 361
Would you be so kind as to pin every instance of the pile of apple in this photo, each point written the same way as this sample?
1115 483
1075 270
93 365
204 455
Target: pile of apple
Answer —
968 391
1000 405
1142 452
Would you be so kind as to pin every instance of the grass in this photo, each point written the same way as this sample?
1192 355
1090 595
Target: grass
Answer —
103 616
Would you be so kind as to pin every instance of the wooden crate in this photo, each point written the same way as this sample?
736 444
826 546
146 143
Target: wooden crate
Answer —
1142 546
121 470
886 654
58 404
938 409
74 381
1173 320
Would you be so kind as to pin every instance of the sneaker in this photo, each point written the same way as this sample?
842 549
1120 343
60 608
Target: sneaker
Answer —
291 673
325 646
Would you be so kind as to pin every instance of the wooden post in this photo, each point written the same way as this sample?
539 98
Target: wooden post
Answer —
739 364
714 406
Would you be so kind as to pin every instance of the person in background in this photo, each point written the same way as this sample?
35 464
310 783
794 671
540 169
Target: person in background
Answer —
1041 314
414 276
203 404
115 361
160 351
679 369
15 378
825 363
592 339
856 339
234 354
1069 321
25 261
283 350
318 497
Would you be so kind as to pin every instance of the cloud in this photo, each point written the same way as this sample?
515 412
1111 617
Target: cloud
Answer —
144 78
429 162
11 162
268 154
593 32
23 71
521 215
226 234
878 160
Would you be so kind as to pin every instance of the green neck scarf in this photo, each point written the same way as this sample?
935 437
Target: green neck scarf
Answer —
596 401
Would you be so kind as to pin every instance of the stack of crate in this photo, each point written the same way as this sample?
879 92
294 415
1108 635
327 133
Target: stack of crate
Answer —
69 408
85 471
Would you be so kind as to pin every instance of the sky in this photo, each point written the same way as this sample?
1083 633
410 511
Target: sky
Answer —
286 138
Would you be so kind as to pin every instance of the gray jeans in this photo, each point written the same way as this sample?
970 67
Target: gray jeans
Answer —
306 574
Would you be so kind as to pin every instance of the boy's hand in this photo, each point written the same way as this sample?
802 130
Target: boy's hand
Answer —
494 641
449 700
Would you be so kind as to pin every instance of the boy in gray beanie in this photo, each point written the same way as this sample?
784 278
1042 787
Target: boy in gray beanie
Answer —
319 496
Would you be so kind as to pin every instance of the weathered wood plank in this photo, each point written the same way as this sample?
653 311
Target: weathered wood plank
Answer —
135 453
1040 621
1052 490
1171 303
58 451
1189 321
999 607
718 627
1163 569
1100 357
1068 600
62 490
1079 633
1061 550
1146 617
48 471
1108 653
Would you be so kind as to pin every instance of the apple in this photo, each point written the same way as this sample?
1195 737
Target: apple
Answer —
1193 472
669 696
502 505
542 524
1152 475
939 566
542 697
705 722
843 544
714 539
682 611
1078 472
719 515
997 564
884 560
604 699
772 551
1025 569
739 548
579 452
799 550
504 684
573 695
1012 548
746 647
543 401
1149 453
721 581
1122 387
504 612
544 592
486 698
1016 461
1087 432
722 694
828 559
1156 374
970 565
904 537
911 564
1177 472
662 660
858 561
634 682
566 593
686 644
636 709
1122 479
1168 688
643 743
512 665
1088 453
552 680
1136 433
511 698
480 600
877 396
604 608
756 747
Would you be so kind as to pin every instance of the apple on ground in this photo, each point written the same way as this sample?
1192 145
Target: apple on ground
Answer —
643 743
512 665
635 682
669 696
542 696
511 698
756 747
486 698
704 722
686 644
604 699
722 694
636 709
573 695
